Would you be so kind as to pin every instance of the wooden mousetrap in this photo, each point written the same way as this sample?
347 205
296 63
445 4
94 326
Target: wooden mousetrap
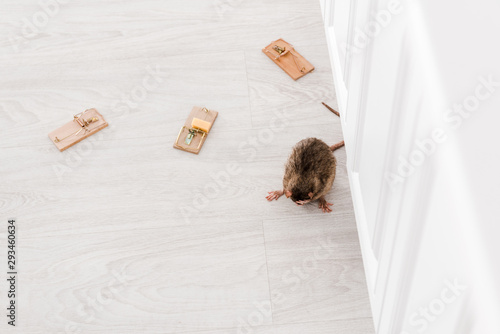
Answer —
193 134
290 61
83 125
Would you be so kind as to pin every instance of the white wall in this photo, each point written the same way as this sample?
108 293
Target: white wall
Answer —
407 64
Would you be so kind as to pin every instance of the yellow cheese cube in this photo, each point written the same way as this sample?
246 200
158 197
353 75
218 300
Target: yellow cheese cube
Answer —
201 125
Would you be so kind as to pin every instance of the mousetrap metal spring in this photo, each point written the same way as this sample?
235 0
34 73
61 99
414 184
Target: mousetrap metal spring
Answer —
83 123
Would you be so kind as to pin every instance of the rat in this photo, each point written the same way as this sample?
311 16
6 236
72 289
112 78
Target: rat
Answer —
309 172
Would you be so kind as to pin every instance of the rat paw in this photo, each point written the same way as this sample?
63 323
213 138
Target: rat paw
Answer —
324 205
274 195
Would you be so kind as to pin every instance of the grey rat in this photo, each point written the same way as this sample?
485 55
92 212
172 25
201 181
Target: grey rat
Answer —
309 172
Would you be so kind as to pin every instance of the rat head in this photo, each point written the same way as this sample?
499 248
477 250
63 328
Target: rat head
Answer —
299 196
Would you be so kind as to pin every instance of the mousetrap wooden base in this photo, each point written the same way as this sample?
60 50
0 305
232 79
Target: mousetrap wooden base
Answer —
193 134
290 61
83 125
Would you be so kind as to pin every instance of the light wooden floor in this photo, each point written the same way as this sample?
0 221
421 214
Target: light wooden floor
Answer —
124 234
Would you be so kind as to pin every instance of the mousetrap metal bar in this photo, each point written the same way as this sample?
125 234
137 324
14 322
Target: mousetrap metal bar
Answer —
282 51
189 138
83 125
285 56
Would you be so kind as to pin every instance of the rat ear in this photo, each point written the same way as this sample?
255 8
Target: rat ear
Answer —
310 195
288 193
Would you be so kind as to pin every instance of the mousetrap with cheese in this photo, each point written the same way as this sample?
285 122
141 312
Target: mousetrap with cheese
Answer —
193 134
83 125
290 61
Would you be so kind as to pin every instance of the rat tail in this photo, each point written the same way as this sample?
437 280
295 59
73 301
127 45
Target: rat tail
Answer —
331 109
337 146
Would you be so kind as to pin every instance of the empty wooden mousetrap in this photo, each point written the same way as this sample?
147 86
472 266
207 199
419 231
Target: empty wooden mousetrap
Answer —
290 61
83 125
193 134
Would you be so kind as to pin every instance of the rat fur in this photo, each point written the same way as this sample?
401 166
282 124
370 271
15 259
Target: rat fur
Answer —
309 173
